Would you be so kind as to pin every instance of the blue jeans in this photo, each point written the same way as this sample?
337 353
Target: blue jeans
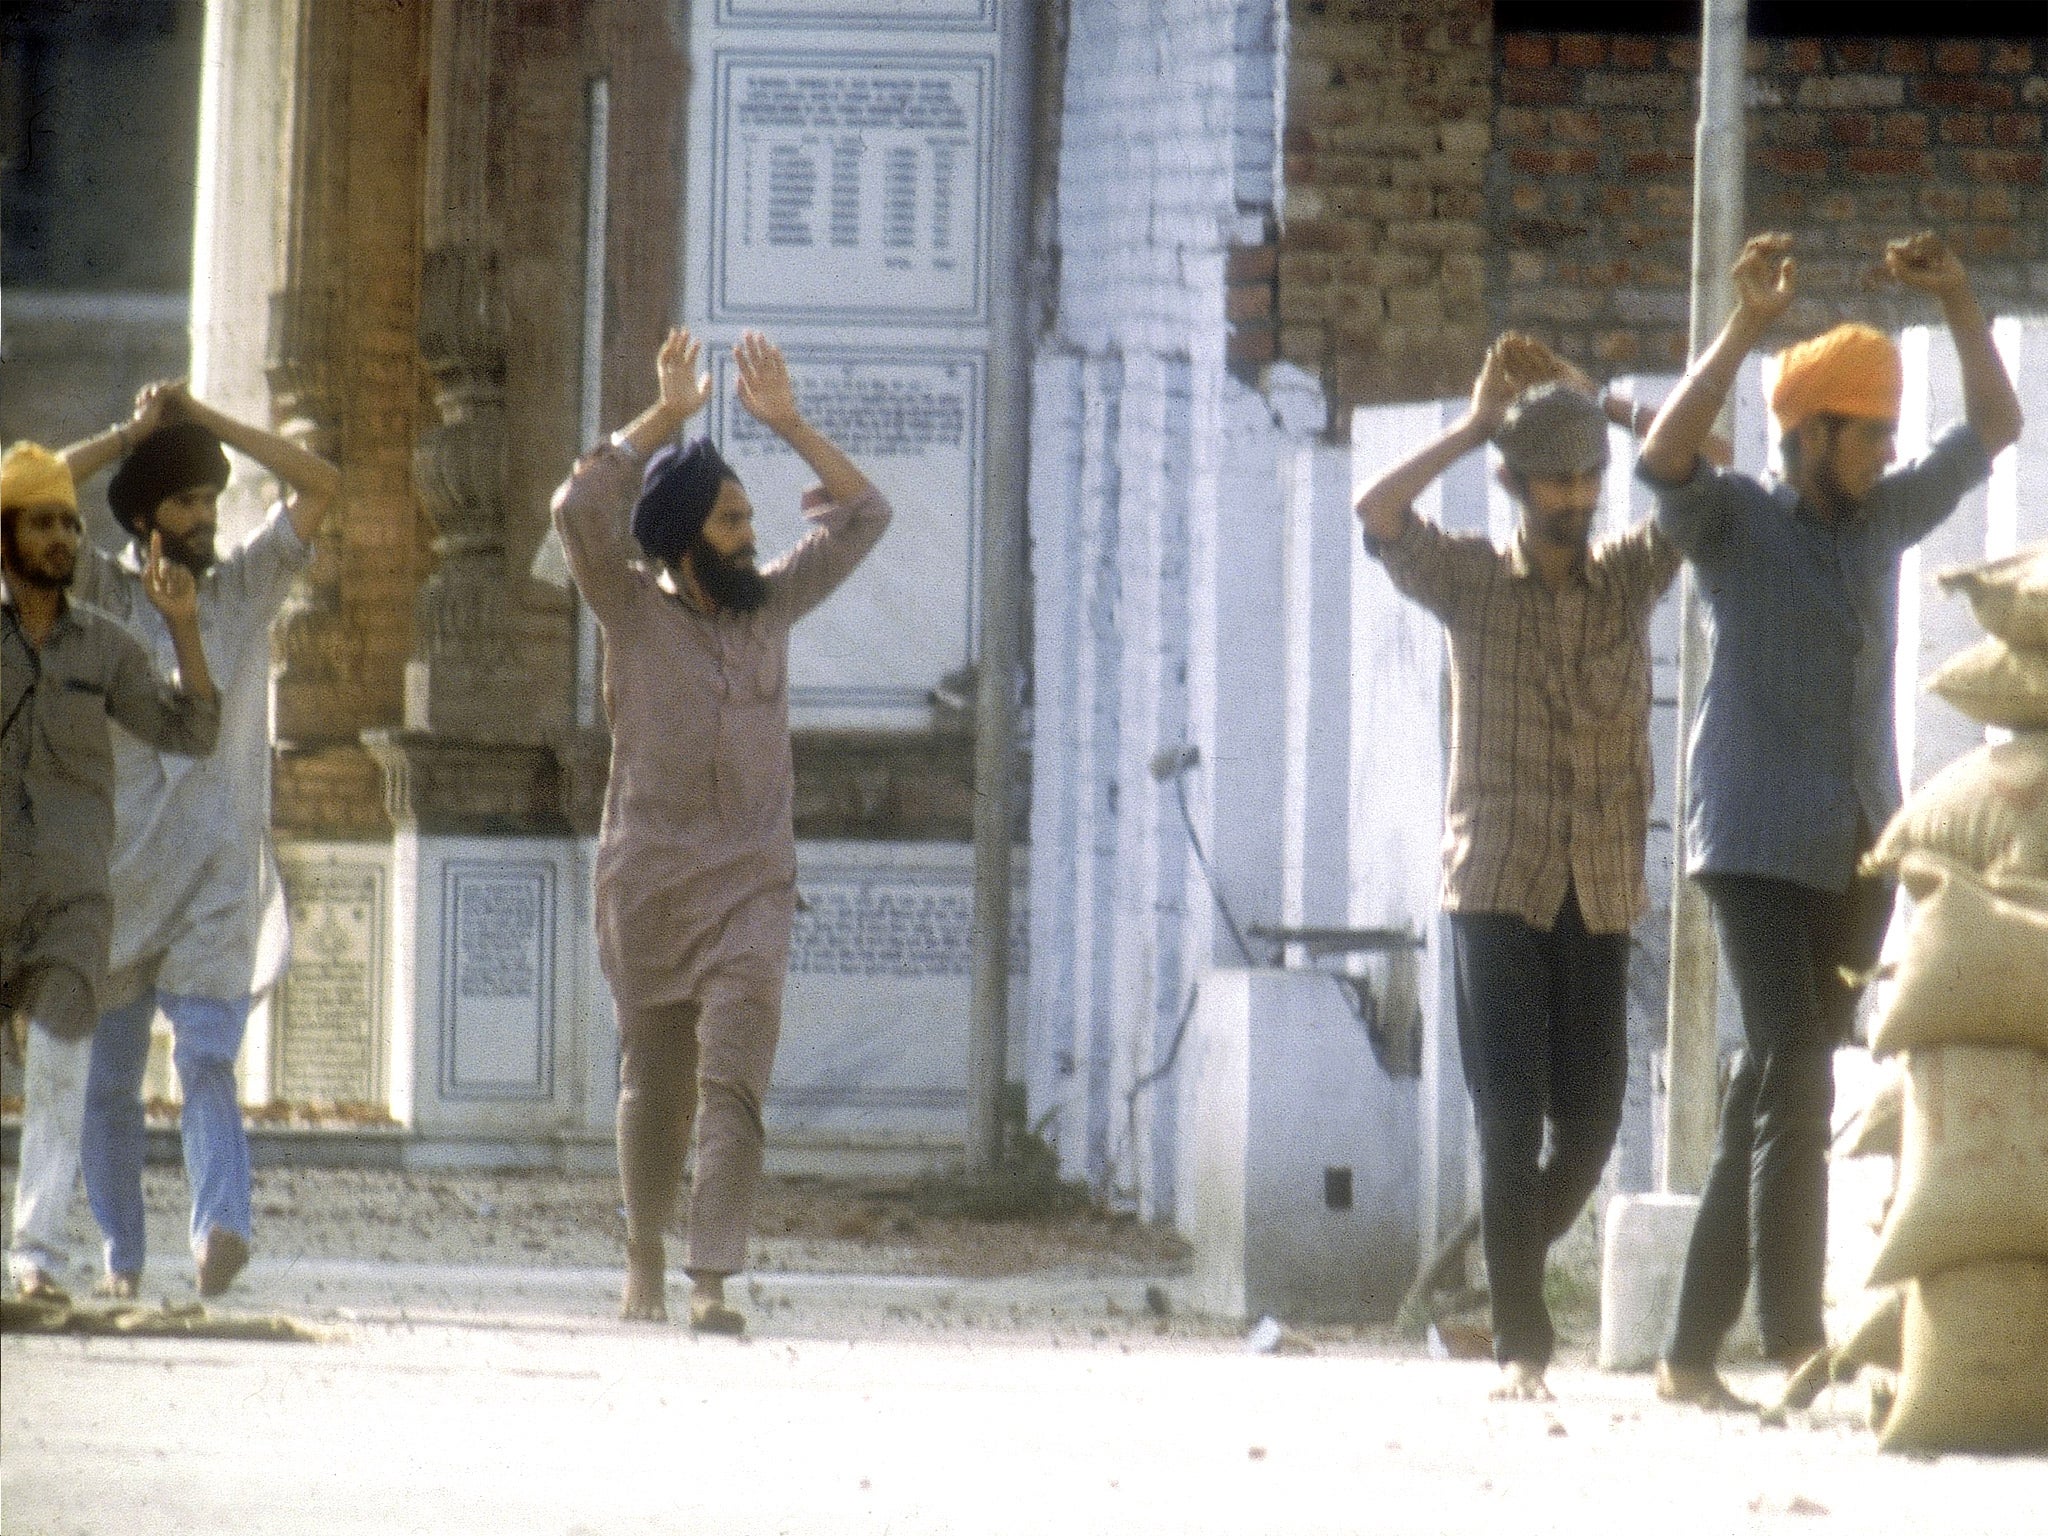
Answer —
1543 1035
206 1035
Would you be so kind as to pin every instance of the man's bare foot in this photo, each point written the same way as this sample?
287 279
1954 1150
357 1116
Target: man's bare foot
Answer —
118 1287
1700 1388
645 1299
220 1256
709 1310
1521 1382
32 1284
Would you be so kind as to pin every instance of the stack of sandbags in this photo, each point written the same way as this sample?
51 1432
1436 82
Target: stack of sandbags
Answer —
1966 1237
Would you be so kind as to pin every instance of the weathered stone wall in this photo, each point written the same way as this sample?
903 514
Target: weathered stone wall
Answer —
1442 182
1852 142
1381 269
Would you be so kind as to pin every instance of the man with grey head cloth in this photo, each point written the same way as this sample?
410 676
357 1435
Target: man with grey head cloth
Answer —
1546 805
696 859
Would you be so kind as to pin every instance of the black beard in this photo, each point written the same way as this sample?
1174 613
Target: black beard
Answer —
730 581
1829 494
195 551
20 573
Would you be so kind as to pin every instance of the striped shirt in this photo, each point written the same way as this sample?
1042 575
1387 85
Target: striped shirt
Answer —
1549 776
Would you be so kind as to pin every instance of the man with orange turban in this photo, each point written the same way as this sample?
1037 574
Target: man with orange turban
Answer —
1794 761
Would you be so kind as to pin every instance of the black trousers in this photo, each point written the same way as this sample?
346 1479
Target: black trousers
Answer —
1764 1212
1543 1033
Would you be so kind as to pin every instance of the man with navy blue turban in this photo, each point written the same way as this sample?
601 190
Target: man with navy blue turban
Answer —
696 858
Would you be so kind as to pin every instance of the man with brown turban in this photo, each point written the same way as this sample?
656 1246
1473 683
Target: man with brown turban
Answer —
696 859
67 674
1794 761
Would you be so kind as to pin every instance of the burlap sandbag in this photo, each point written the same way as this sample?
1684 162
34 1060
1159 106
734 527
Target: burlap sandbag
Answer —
1987 810
1997 683
1877 1127
2008 595
1973 1162
1974 970
1975 1371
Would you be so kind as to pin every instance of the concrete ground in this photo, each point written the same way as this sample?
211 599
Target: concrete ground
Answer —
447 1401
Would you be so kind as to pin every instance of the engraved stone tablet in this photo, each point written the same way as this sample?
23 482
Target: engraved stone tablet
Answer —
330 1003
497 984
923 15
912 421
850 188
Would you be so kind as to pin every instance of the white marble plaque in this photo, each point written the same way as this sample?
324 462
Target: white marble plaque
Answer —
912 420
921 15
331 1000
497 981
850 188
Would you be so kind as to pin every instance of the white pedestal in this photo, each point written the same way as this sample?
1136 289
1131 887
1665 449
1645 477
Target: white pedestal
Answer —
1297 1176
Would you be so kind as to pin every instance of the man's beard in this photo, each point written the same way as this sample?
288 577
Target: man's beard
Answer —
194 550
1571 530
50 577
730 581
1828 492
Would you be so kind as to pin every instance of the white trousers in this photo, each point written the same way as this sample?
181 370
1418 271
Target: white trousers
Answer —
52 1112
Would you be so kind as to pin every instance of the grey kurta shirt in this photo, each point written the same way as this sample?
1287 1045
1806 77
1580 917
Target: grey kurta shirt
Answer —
57 785
193 878
696 859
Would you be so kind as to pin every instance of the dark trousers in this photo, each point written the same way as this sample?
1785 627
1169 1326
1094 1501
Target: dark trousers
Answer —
1764 1212
1543 1033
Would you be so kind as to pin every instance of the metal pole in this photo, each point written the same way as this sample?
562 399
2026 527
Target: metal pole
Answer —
1691 1043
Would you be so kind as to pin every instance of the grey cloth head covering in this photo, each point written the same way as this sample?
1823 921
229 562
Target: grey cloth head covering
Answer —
1553 432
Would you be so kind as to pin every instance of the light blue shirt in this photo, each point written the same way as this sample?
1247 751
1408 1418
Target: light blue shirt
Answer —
1795 744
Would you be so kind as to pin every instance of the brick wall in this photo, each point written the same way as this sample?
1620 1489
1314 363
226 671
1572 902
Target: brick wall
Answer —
1442 182
1851 142
1381 253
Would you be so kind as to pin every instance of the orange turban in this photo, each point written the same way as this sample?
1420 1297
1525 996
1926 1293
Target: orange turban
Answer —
1852 371
31 476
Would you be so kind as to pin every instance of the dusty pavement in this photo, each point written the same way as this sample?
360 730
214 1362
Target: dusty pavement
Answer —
909 1373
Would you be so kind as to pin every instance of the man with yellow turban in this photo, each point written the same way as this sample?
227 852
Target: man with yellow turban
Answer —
66 670
1793 764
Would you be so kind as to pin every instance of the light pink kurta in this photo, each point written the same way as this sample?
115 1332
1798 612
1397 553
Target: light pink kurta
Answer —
696 859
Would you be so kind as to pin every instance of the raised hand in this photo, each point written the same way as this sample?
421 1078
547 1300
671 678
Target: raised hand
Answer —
764 387
1499 379
158 404
1764 278
169 586
1925 262
683 389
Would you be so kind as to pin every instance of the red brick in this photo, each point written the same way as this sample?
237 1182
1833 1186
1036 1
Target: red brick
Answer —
1636 52
2010 130
1836 207
1684 54
1522 50
1991 203
1518 125
1943 203
1248 301
1254 344
1889 162
2023 169
1855 129
1965 128
1907 130
1613 201
1581 50
1553 162
1618 347
2011 56
1990 240
1539 88
1252 263
1794 162
1631 130
1793 127
1903 57
1460 203
1958 91
1658 162
1574 125
1803 55
1857 53
1957 57
1888 205
1527 198
1667 202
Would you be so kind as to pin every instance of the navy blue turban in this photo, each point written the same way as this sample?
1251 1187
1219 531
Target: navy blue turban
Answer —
676 495
171 459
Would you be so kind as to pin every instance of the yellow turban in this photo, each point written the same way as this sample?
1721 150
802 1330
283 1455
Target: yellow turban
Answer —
32 476
1852 371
